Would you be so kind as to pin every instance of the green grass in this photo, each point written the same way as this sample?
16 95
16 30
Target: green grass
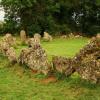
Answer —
64 47
18 83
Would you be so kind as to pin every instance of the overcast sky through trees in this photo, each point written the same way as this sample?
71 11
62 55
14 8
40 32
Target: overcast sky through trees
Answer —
1 14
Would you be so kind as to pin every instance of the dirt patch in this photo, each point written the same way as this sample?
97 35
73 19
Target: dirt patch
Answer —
34 71
48 80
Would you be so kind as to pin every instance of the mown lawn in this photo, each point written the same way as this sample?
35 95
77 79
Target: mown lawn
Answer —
19 83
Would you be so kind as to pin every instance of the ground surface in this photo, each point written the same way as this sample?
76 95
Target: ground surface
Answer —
18 83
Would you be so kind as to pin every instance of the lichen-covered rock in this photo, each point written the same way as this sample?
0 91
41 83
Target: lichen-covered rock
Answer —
8 51
88 61
30 42
71 35
63 65
47 37
8 38
37 38
4 46
23 36
90 69
11 55
78 36
64 36
98 35
90 48
35 58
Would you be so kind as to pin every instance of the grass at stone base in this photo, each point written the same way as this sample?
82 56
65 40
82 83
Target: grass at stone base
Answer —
19 83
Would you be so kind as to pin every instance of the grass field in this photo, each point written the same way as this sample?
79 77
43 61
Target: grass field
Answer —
18 83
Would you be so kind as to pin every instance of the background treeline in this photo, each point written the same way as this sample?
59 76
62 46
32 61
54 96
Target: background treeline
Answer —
53 16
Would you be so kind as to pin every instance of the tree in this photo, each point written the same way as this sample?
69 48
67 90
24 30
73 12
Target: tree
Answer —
54 16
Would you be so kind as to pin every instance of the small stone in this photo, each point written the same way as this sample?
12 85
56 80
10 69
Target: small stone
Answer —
47 37
98 35
71 35
64 36
37 38
23 36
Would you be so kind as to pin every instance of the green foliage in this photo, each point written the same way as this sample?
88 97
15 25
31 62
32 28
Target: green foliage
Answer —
54 16
1 27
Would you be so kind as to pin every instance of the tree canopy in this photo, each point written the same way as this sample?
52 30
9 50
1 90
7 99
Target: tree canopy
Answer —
54 16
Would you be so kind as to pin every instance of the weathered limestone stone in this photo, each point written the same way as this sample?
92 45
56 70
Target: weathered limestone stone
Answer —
11 54
71 35
8 38
8 51
35 58
23 36
98 35
92 47
47 37
37 35
64 36
88 61
90 69
63 65
37 38
4 46
30 42
78 36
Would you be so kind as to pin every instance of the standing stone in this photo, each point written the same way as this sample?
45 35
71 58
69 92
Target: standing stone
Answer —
88 60
71 35
98 35
78 36
37 38
47 37
90 69
23 36
11 54
35 58
8 51
30 42
63 65
4 46
64 36
8 38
